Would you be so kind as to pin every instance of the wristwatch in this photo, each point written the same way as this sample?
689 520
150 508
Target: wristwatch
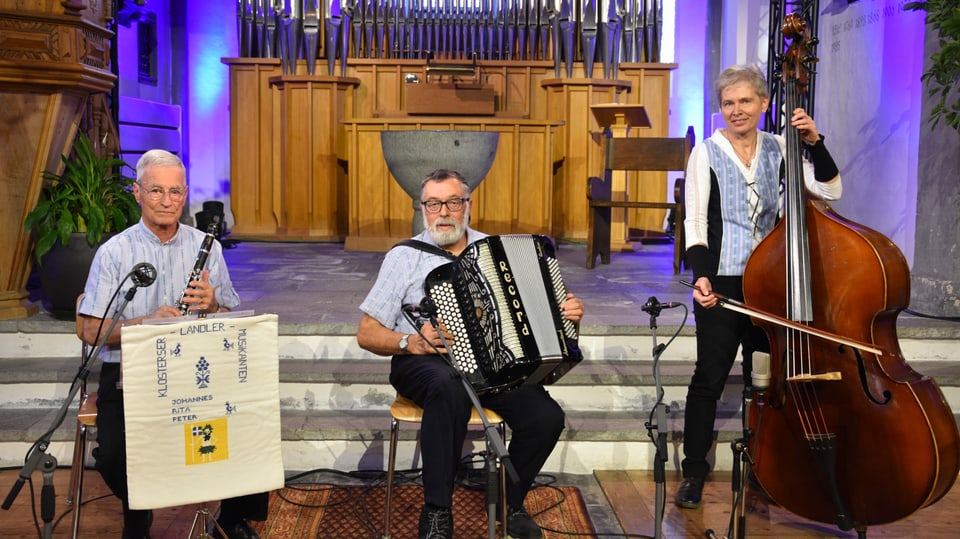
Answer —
404 341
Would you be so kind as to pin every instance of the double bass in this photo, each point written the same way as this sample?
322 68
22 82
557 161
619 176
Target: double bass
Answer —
847 432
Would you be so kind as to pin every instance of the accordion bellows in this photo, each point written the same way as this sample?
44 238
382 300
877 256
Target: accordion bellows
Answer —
500 299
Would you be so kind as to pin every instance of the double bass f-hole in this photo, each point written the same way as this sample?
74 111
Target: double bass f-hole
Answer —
842 343
862 370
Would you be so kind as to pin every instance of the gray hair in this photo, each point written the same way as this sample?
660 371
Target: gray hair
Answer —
741 73
158 158
442 174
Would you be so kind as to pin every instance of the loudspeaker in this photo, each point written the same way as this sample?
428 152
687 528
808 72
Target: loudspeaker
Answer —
211 219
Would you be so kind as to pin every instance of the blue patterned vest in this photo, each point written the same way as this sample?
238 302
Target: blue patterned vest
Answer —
739 237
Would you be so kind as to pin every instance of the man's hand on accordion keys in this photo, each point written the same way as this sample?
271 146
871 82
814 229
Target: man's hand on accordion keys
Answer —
429 341
572 308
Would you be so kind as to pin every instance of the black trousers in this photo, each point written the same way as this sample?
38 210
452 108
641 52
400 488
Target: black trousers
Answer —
111 458
720 332
534 418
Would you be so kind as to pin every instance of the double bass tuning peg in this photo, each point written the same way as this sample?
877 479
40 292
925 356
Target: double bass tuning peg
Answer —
809 62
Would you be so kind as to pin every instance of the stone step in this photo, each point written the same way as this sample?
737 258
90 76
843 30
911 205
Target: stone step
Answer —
358 384
314 341
335 398
336 411
349 384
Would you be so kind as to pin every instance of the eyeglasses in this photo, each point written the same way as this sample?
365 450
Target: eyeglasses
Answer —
454 204
156 193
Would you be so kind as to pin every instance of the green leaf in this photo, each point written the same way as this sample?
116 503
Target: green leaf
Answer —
90 195
943 75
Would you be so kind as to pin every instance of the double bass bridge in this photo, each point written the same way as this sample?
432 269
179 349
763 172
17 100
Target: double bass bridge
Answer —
822 377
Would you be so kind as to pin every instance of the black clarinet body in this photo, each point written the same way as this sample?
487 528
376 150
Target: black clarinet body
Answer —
197 270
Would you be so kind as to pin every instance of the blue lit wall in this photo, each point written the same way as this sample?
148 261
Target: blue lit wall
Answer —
689 46
209 34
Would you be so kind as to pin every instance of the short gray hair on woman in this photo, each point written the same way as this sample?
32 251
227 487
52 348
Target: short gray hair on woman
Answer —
741 73
442 174
158 158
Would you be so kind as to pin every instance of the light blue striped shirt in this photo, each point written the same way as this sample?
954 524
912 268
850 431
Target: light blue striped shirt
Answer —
400 282
174 261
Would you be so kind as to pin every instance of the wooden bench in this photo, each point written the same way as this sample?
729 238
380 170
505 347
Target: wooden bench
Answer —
641 154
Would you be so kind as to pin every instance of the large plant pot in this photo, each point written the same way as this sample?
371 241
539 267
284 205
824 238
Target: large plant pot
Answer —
63 274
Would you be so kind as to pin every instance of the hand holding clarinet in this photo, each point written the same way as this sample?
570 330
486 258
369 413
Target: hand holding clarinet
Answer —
199 295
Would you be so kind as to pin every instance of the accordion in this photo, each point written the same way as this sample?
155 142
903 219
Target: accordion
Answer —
500 299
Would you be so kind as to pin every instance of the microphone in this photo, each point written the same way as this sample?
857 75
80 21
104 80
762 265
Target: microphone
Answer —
760 375
412 308
427 308
143 274
653 306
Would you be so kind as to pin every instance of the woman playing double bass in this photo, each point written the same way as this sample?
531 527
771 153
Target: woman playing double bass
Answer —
734 186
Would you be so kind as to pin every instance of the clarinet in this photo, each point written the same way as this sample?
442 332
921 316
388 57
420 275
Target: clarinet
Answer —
197 269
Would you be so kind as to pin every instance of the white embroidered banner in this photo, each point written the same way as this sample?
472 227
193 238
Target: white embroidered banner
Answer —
202 406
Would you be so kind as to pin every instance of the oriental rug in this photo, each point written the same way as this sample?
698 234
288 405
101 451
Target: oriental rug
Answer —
337 512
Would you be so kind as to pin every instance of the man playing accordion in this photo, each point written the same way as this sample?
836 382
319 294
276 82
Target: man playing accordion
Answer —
420 373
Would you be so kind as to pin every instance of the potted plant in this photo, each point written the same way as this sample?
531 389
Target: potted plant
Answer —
89 200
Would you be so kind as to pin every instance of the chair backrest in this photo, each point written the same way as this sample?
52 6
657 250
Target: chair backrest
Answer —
648 153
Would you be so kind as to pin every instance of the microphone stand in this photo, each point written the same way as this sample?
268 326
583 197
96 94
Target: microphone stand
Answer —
741 470
742 463
37 455
495 448
654 428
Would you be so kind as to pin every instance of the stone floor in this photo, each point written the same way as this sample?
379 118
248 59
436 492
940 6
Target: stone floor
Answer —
320 283
316 288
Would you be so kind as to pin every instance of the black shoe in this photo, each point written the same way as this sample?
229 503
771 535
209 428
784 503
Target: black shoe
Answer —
435 523
520 525
136 524
691 493
240 530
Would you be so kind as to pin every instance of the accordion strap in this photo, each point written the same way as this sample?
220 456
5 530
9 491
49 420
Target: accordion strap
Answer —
424 246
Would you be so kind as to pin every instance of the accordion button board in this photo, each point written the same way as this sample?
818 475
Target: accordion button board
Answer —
500 299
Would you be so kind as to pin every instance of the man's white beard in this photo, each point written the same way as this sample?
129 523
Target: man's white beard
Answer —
447 237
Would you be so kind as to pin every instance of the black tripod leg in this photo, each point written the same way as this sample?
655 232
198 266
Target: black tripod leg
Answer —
48 496
493 494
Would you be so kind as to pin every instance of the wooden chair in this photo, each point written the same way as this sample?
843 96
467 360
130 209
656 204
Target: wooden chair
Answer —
86 419
405 410
641 154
